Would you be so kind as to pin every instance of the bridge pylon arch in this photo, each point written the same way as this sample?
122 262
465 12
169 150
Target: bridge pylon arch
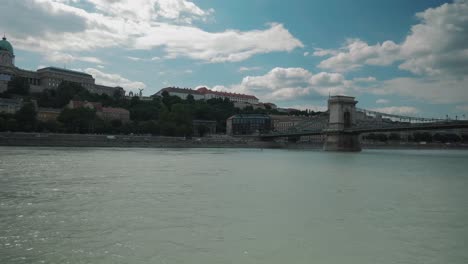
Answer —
342 117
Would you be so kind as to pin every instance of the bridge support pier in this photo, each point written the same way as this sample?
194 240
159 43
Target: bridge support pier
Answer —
341 141
342 111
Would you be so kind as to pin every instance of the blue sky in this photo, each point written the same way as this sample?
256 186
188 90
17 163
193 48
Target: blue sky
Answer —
403 57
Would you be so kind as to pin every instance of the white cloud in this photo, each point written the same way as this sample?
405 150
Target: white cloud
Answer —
306 54
134 58
324 52
110 79
463 108
227 46
178 10
357 53
245 69
382 101
288 84
142 59
369 79
438 45
59 57
430 90
136 24
398 110
436 50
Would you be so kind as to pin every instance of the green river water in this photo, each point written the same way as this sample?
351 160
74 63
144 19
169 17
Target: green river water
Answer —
105 205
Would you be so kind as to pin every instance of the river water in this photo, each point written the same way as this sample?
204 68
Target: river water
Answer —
96 205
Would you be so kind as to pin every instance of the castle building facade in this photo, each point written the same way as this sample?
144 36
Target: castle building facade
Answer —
46 78
204 93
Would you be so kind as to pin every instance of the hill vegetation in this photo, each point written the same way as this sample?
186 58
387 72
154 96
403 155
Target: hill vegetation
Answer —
166 115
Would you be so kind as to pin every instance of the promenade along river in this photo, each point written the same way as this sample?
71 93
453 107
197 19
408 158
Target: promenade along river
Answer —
91 205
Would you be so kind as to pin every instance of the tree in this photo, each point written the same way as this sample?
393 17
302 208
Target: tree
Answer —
49 126
65 92
118 94
26 117
18 85
78 120
144 111
394 137
190 99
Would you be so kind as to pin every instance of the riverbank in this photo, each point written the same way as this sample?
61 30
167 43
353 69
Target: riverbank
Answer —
127 141
221 141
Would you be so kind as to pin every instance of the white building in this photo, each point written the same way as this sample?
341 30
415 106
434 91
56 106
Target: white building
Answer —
205 94
46 78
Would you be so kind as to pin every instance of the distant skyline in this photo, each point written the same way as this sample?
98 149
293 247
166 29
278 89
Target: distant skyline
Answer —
400 57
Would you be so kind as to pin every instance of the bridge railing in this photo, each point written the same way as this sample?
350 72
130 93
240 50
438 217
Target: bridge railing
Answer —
399 118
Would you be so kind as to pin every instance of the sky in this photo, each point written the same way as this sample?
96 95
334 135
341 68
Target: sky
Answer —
400 57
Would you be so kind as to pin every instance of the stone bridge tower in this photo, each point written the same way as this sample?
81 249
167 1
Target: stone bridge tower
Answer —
342 118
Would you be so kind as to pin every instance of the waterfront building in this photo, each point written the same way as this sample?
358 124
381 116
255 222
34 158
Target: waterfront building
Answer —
204 93
105 113
248 124
48 114
285 123
46 78
114 113
10 106
181 93
244 105
233 97
203 127
73 104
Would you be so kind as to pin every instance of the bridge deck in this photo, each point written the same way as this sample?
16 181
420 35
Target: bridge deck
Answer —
370 129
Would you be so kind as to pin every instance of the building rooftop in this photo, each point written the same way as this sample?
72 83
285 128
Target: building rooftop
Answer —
5 45
61 70
204 90
249 116
180 90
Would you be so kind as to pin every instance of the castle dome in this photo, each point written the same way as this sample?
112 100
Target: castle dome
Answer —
5 45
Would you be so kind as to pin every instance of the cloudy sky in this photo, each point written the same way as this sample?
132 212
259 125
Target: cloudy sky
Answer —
399 56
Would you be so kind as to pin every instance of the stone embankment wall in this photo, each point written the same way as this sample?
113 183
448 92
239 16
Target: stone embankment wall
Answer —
126 141
87 140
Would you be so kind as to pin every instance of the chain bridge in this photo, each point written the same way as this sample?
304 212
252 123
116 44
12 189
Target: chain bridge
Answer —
343 122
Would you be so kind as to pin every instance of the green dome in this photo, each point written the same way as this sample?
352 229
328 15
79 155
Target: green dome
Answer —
5 45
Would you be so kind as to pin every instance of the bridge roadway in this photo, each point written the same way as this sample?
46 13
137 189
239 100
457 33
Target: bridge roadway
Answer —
369 129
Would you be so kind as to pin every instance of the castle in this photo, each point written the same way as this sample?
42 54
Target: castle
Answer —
46 78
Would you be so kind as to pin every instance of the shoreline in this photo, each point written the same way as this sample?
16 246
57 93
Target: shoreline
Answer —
138 141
